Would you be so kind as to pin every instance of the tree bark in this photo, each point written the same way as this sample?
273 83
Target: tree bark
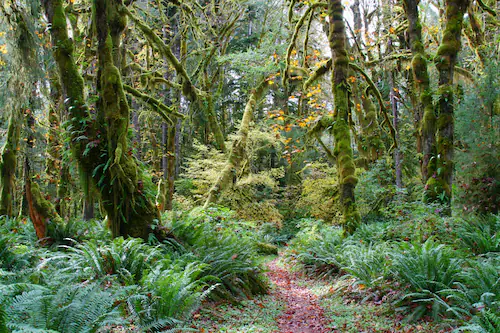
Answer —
340 122
439 186
425 123
100 145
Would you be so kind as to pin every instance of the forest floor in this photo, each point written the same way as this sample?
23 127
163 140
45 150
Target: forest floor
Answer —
298 303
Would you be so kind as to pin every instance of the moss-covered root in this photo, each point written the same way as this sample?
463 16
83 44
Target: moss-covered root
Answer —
438 187
237 153
8 161
340 129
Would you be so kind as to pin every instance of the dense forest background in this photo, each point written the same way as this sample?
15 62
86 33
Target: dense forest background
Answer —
155 152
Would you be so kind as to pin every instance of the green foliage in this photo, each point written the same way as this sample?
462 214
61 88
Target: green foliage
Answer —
127 258
478 136
368 264
169 295
319 248
227 250
74 308
429 269
480 234
376 188
252 193
319 197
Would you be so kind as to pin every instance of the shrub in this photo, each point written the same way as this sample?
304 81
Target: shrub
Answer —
320 192
319 248
429 270
368 264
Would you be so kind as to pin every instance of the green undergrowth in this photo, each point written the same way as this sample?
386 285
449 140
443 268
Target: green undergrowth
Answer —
253 315
411 264
93 283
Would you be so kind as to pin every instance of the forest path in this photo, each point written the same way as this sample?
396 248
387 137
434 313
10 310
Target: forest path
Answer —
303 313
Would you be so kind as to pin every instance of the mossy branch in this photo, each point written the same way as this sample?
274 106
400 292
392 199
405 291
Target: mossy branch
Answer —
465 74
317 74
163 110
188 89
377 95
237 153
309 12
486 8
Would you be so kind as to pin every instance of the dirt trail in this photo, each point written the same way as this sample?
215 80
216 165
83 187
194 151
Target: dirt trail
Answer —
303 313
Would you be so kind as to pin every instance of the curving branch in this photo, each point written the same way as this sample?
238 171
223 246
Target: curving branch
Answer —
160 108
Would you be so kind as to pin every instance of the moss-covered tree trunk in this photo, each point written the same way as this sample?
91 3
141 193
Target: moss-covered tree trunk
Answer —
237 153
340 128
100 145
439 185
129 207
8 162
426 125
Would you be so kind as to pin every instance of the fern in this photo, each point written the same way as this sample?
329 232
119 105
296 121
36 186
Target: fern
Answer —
486 322
3 319
429 269
71 309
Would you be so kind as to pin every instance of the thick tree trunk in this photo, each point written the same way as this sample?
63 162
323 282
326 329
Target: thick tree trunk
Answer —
100 146
340 129
41 211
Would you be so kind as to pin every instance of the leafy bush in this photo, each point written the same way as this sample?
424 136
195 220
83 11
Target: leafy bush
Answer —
169 294
376 187
253 192
319 248
320 192
478 289
429 270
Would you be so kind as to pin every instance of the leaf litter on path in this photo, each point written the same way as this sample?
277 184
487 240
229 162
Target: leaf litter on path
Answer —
303 314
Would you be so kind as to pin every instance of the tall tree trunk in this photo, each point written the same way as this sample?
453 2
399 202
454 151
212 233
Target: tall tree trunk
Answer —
340 128
426 123
100 146
439 186
41 211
